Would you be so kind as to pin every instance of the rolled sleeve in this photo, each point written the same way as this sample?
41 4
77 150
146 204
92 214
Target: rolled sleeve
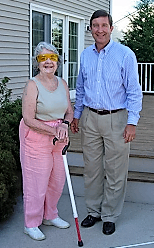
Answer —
80 93
133 89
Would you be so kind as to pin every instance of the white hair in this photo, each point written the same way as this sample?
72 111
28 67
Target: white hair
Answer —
38 50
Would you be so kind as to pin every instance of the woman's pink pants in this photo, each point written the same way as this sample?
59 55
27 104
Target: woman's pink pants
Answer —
43 174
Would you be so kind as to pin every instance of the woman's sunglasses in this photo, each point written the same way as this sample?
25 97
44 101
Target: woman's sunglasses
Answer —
44 57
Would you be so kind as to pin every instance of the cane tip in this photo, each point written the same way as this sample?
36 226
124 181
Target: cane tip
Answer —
80 243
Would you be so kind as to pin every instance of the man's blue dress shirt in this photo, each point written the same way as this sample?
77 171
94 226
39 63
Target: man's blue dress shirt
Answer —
109 80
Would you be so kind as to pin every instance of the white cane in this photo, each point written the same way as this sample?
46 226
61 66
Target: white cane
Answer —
75 214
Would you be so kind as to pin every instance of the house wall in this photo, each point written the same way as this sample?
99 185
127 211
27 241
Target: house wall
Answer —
15 34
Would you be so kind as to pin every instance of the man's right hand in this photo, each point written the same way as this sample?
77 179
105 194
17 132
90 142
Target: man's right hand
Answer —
74 125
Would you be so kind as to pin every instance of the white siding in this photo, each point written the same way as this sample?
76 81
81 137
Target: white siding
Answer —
14 43
15 33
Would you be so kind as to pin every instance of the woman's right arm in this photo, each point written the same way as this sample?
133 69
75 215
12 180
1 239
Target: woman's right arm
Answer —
29 101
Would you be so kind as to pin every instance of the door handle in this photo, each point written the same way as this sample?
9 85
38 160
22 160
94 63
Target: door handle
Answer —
65 60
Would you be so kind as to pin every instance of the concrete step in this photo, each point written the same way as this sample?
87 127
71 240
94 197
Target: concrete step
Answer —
137 192
140 185
132 175
140 169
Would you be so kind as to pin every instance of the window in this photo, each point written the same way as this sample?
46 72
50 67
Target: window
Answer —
65 32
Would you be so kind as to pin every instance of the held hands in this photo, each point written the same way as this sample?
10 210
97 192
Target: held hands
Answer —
129 133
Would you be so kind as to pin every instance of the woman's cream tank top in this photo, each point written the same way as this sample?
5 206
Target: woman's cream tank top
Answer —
51 105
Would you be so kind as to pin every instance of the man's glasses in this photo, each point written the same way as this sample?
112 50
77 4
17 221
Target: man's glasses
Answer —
44 57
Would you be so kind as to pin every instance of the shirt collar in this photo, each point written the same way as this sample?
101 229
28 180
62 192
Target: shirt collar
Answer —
105 49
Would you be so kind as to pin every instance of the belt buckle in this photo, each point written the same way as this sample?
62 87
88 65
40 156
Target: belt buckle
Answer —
99 110
103 110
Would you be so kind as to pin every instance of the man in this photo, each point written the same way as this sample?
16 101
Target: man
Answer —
109 97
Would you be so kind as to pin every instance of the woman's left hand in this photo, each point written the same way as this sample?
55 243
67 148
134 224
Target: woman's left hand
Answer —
62 132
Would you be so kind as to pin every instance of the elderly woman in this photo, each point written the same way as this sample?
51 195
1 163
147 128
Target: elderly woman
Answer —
47 112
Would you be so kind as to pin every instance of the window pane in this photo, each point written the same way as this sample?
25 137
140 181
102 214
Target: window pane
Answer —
73 54
57 38
73 40
41 29
37 29
41 26
73 71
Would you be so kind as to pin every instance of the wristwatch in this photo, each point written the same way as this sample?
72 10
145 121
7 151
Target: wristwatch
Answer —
66 122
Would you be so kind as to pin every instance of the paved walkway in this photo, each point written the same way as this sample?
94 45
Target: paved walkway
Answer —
134 227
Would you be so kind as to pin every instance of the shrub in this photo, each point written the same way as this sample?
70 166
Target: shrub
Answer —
10 116
8 183
5 93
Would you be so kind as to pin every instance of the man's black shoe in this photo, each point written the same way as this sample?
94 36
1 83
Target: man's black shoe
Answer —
108 228
90 221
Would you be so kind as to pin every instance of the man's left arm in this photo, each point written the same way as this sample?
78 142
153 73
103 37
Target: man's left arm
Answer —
134 96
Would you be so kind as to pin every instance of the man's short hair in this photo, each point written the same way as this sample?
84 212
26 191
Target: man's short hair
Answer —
99 13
